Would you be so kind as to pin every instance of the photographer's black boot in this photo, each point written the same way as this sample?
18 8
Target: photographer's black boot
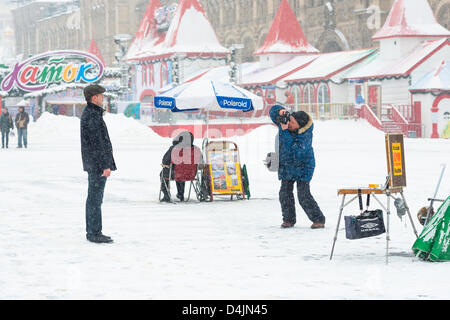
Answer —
287 225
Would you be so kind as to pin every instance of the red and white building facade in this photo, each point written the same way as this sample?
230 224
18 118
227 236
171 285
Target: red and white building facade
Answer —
412 44
432 93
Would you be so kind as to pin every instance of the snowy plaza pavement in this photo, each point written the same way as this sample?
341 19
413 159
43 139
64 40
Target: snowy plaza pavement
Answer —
219 250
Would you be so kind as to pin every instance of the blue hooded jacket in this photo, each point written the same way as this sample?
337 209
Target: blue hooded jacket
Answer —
296 154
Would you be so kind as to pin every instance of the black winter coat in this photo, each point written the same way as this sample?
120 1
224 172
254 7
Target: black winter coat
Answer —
96 147
6 122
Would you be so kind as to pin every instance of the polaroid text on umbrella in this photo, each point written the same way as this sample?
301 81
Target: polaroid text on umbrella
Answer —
164 103
234 103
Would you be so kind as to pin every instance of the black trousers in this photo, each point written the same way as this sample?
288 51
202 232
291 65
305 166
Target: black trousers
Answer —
180 184
305 199
94 202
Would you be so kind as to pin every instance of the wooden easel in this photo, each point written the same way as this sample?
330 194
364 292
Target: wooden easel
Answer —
396 180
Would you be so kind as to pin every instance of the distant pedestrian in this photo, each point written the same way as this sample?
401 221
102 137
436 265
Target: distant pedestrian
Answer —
98 160
22 120
359 102
296 165
6 124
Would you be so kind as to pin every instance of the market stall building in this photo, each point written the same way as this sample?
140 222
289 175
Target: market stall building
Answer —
66 99
291 71
431 94
171 42
412 43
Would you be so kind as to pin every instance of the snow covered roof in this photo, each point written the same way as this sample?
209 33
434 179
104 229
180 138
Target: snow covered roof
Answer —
63 10
437 80
411 18
328 65
43 1
147 32
380 68
110 84
112 72
94 49
274 74
190 32
219 73
285 34
303 67
54 89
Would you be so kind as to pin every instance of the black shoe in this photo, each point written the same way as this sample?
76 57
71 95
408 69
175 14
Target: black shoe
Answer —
181 197
100 238
19 147
318 225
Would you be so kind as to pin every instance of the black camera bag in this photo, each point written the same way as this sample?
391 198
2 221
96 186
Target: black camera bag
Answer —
367 224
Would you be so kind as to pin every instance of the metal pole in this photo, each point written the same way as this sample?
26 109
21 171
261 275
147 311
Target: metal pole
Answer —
435 194
337 227
409 215
388 213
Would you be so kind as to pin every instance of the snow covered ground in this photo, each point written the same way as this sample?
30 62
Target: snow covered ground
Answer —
220 250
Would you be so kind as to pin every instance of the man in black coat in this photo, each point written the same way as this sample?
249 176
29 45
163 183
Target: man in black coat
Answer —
98 160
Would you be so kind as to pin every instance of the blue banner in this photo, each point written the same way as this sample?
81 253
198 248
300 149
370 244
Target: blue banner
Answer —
165 103
235 103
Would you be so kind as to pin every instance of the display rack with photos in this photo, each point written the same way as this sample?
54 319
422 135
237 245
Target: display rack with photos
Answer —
224 169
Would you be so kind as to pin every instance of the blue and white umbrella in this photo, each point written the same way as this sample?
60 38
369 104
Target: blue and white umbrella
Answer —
208 95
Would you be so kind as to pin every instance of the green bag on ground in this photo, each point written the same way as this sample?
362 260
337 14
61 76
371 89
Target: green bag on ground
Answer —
246 183
434 241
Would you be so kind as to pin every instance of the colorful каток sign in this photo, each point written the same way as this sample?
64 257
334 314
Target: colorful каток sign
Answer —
30 75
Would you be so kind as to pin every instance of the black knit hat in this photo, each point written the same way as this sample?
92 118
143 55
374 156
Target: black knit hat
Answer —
92 90
302 118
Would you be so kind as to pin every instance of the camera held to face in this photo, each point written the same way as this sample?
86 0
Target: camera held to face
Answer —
284 119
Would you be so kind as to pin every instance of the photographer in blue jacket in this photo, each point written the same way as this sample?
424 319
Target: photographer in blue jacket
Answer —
296 165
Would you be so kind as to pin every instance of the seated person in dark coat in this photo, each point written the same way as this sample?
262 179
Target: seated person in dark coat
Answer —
181 151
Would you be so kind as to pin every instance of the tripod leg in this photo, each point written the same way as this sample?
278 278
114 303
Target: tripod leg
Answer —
388 214
409 215
337 227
